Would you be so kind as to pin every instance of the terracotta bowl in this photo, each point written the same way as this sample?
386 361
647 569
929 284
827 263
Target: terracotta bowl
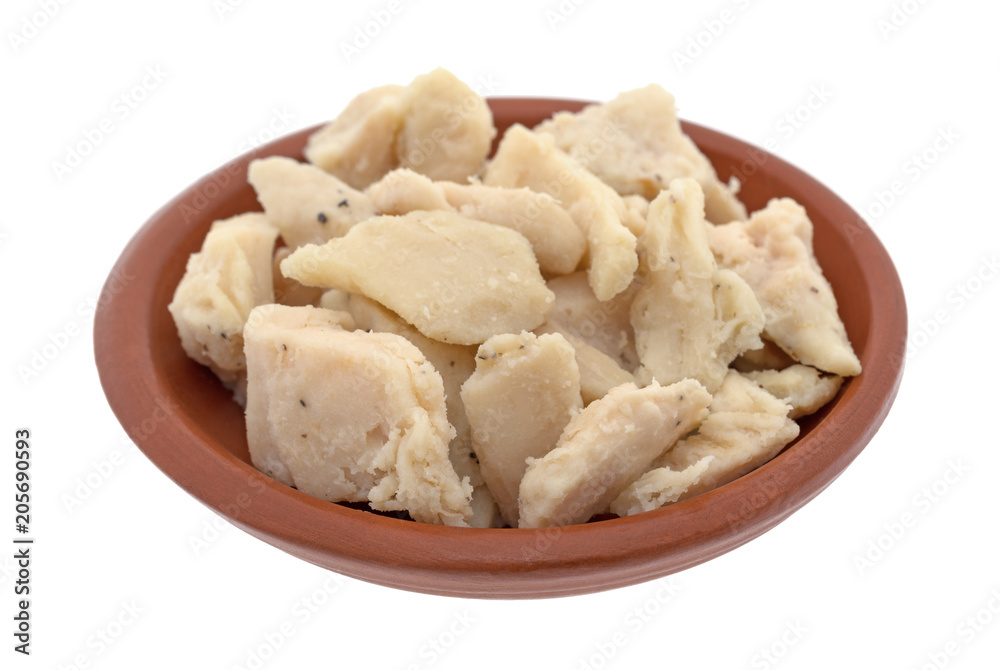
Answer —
188 425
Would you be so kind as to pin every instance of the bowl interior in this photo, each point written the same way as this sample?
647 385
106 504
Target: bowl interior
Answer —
202 444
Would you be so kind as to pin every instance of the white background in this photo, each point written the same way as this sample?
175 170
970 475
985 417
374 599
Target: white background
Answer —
122 563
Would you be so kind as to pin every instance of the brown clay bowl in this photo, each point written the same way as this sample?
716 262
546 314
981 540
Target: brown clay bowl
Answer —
187 424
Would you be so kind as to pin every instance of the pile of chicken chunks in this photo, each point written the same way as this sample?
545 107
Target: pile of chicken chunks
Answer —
587 323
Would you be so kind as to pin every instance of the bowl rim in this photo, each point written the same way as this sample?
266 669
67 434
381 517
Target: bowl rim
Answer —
494 563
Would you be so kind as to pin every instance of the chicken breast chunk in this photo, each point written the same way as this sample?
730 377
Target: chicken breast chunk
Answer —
350 416
221 285
523 393
746 427
605 448
436 125
773 252
690 318
455 363
605 325
527 159
359 146
803 388
635 143
447 128
307 205
455 279
556 240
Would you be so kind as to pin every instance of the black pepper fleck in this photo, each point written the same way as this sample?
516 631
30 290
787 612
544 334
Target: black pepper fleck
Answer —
814 289
343 203
284 348
672 260
321 217
223 336
677 424
302 402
